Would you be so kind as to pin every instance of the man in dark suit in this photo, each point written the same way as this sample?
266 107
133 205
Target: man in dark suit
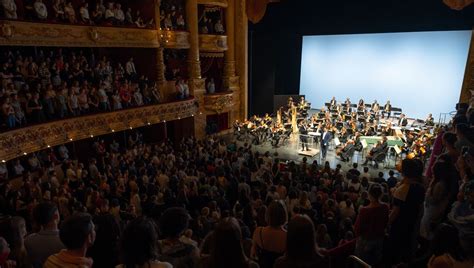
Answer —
403 121
325 139
387 109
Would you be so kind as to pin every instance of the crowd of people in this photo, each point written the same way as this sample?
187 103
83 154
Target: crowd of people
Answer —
55 84
61 11
211 23
172 15
213 203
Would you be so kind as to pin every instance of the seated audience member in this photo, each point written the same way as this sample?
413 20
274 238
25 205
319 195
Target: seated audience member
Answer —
211 86
70 13
46 242
9 9
139 245
407 206
17 234
84 12
226 247
77 234
301 247
219 28
173 223
370 227
40 9
119 15
269 242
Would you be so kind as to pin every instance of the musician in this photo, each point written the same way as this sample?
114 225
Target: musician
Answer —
303 136
375 108
387 109
347 106
325 139
402 121
429 120
332 103
347 150
361 106
267 119
377 151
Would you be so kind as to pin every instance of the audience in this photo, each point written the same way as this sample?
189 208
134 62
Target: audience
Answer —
68 84
154 204
81 13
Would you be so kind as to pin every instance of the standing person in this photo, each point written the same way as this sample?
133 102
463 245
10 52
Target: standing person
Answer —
173 223
325 138
227 249
139 245
77 234
269 243
370 227
46 242
407 207
301 248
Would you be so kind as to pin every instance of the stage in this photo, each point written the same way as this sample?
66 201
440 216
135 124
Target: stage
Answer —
290 151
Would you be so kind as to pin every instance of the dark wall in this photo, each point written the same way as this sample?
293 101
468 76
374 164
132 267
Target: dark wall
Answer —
275 43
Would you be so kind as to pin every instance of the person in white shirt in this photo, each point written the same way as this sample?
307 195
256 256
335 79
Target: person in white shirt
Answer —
138 97
218 27
109 13
18 168
40 10
9 9
63 152
130 69
119 15
180 23
211 86
84 11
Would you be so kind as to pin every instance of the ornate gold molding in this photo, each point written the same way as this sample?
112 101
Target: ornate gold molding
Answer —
31 139
219 102
220 3
212 43
175 39
18 33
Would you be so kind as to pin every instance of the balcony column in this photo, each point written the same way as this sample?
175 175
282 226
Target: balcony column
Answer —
193 55
160 63
229 61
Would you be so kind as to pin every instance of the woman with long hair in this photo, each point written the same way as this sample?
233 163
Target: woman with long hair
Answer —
226 247
269 242
139 245
301 248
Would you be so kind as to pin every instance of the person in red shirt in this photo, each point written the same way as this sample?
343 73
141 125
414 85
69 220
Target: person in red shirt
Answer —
370 227
125 95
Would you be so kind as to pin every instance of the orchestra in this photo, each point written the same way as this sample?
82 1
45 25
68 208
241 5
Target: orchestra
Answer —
343 121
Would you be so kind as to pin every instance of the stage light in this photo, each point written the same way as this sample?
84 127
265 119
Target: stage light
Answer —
92 136
49 146
3 161
70 139
24 153
131 127
148 123
113 130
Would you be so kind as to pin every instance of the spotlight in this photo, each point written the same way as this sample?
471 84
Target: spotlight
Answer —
49 146
3 161
131 127
70 139
92 136
24 153
113 130
148 123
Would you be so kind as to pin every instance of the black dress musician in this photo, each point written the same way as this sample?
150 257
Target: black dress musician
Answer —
304 137
332 103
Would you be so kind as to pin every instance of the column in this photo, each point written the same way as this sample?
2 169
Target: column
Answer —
193 55
229 61
160 62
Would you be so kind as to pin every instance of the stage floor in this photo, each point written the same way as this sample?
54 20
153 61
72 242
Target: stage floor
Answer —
291 152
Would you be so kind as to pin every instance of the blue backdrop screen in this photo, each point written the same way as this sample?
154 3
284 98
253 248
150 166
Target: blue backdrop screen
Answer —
420 72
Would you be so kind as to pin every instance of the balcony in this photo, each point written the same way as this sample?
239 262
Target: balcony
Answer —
221 102
175 39
220 3
19 33
212 43
26 140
